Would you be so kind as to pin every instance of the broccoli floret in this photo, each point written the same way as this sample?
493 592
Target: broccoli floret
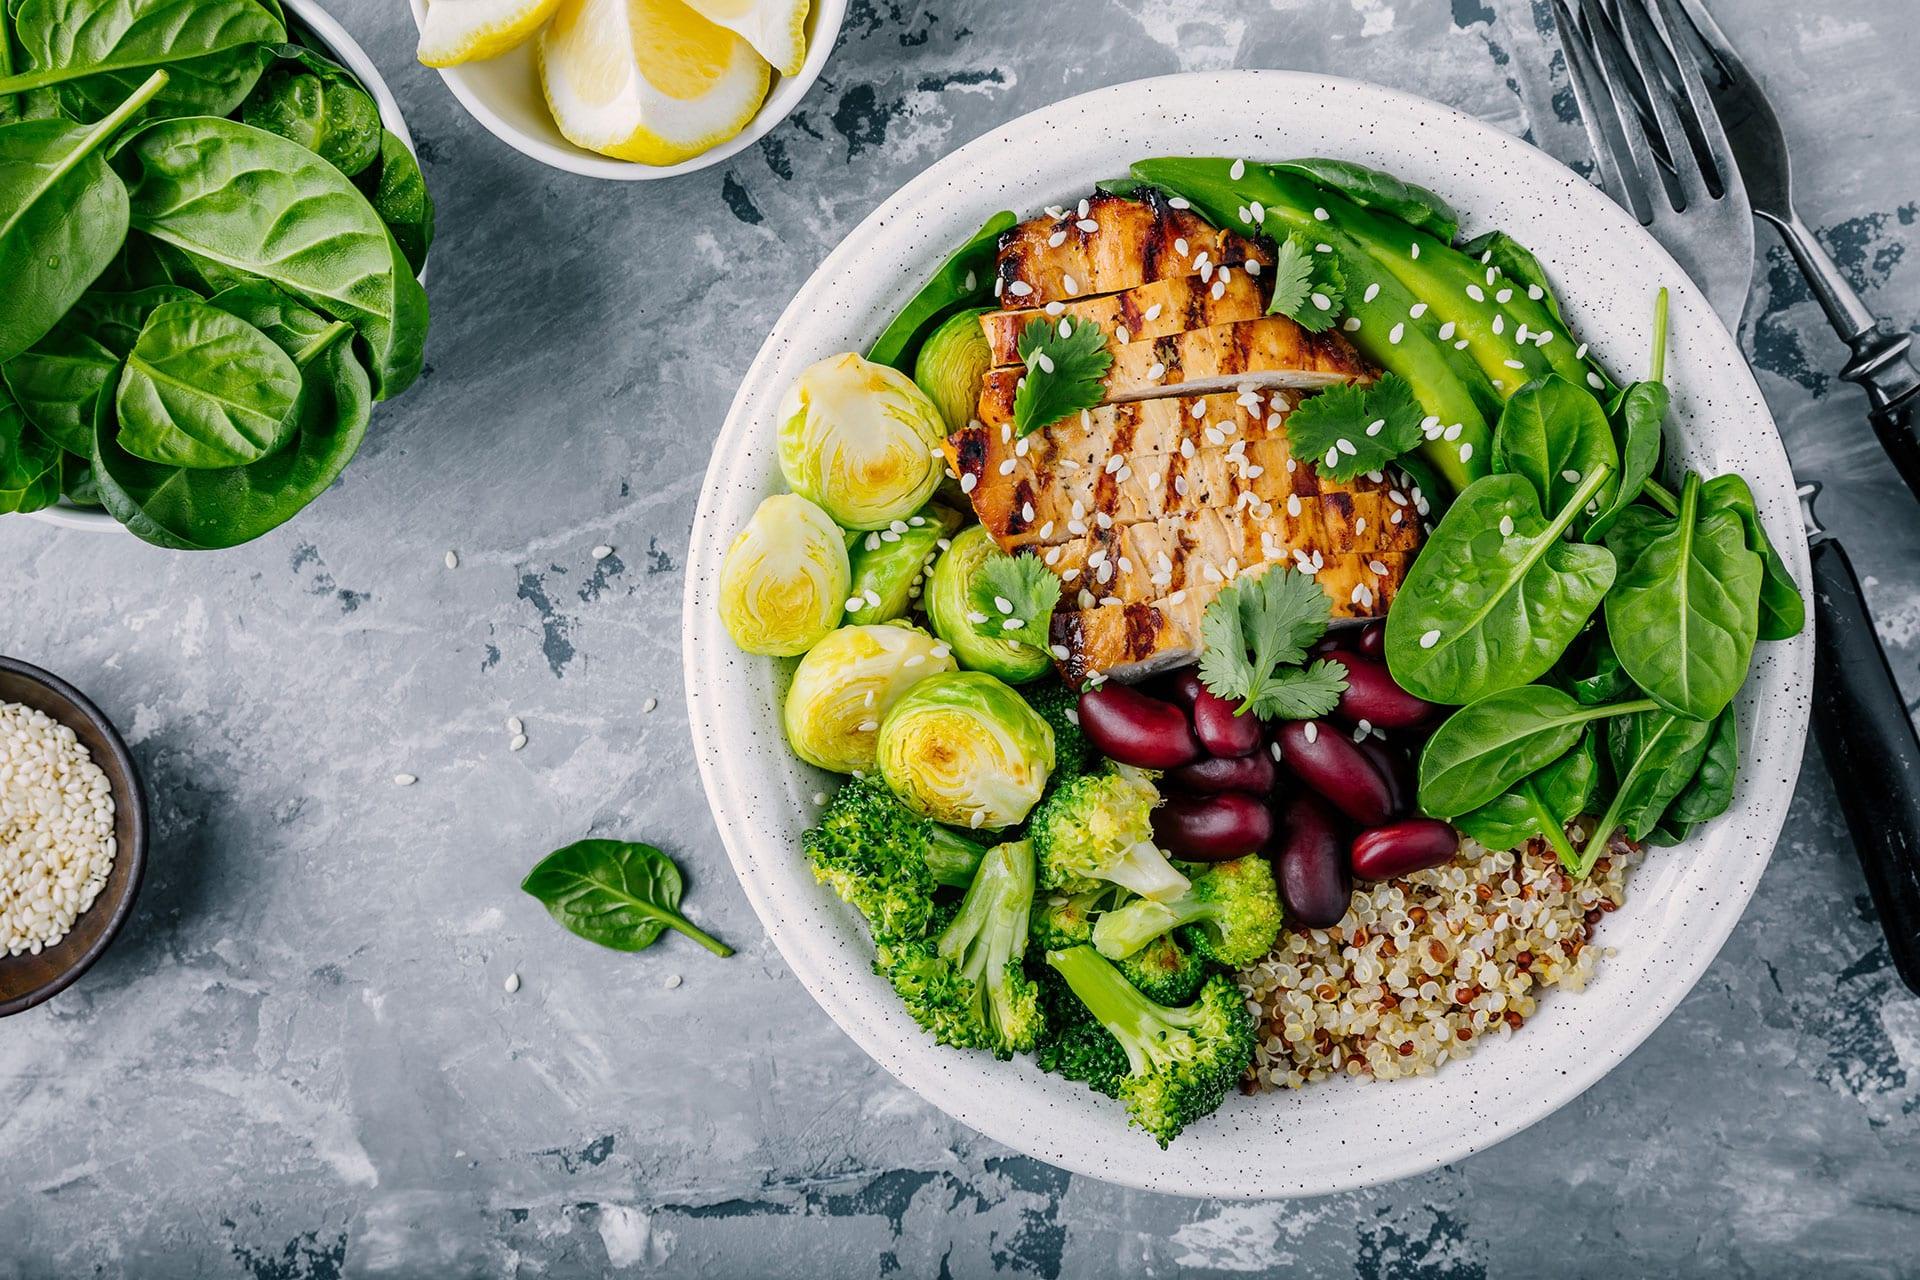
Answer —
1062 920
967 985
1232 914
1098 829
1180 1061
1059 706
884 859
1074 1044
1165 971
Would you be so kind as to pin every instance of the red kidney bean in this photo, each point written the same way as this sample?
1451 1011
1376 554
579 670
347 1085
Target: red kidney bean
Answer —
1323 757
1221 731
1373 641
1212 828
1252 775
1126 725
1404 848
1310 864
1184 686
1396 766
1373 696
1327 645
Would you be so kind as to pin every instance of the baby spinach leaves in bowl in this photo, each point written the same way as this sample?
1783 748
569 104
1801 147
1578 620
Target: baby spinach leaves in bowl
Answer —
200 309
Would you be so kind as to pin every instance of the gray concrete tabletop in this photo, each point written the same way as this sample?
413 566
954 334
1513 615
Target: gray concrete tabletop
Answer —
301 1060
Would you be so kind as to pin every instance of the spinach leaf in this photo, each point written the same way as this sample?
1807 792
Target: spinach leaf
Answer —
1497 594
965 279
189 509
399 195
1414 205
63 214
95 51
1685 613
1641 410
1600 678
319 105
115 320
1710 791
1556 435
1541 804
617 894
1782 610
1488 746
225 192
203 388
1517 263
1654 754
55 381
29 462
76 480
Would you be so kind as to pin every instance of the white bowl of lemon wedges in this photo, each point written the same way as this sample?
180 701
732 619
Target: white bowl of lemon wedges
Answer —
628 89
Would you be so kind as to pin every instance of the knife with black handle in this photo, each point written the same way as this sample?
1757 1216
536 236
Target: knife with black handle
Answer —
1872 751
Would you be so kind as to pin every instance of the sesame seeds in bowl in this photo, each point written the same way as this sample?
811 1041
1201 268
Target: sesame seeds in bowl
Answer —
73 835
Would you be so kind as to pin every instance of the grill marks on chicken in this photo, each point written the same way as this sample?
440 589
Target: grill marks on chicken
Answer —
1182 480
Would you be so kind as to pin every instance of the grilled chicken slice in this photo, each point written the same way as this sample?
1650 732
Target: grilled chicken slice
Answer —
1109 243
1156 310
1130 641
1269 352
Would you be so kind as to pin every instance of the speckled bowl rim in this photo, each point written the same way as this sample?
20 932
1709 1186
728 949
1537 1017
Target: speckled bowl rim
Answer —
129 797
335 40
1682 903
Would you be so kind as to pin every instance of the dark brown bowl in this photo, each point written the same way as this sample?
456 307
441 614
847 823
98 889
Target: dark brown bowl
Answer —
26 980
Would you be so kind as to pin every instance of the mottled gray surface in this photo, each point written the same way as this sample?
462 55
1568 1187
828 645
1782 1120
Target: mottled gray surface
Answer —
299 1061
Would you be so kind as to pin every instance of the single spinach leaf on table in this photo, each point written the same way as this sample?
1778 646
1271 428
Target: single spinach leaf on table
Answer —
1783 613
29 462
55 381
1487 747
1654 755
1685 613
1556 435
225 191
63 215
189 509
965 279
1497 595
617 894
1375 189
93 52
1709 792
398 192
203 388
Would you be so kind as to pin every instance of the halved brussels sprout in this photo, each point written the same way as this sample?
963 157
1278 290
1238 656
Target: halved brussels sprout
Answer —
785 580
965 749
846 685
861 440
951 366
947 600
890 564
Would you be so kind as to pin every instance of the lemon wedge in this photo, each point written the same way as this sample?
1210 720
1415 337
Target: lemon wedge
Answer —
777 29
457 31
647 80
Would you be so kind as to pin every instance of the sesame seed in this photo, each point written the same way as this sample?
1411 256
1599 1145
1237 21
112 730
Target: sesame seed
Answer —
1417 310
1179 202
1320 213
1505 295
1057 239
1180 246
1595 381
1513 364
1087 225
453 560
1475 292
1152 312
1446 331
1430 639
1413 250
1535 292
967 482
1055 308
1220 286
1312 731
1070 284
1506 526
518 743
404 779
1006 469
1396 333
1019 288
1156 371
512 984
1499 324
1238 171
1350 324
1466 450
1043 361
1320 300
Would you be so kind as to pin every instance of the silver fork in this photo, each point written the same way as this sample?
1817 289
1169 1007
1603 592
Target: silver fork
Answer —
1677 123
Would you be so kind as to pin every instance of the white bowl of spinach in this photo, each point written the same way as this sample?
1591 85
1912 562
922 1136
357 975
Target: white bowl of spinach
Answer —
219 229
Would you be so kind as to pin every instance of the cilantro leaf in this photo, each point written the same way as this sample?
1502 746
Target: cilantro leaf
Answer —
1302 693
1304 280
1256 625
1350 429
1067 364
1012 598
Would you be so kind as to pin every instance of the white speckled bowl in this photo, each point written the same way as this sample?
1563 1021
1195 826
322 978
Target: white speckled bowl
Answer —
1683 902
504 95
332 38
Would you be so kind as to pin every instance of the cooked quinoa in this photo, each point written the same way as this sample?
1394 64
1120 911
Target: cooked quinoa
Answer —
1421 968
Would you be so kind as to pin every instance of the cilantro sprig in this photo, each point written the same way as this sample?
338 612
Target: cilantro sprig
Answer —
1308 287
1067 363
1012 598
1350 429
1255 636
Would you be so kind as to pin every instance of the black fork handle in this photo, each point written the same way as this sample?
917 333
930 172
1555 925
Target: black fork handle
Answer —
1872 751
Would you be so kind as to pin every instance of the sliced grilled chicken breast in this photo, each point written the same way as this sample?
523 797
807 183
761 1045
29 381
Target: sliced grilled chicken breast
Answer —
1156 310
1266 353
1109 243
